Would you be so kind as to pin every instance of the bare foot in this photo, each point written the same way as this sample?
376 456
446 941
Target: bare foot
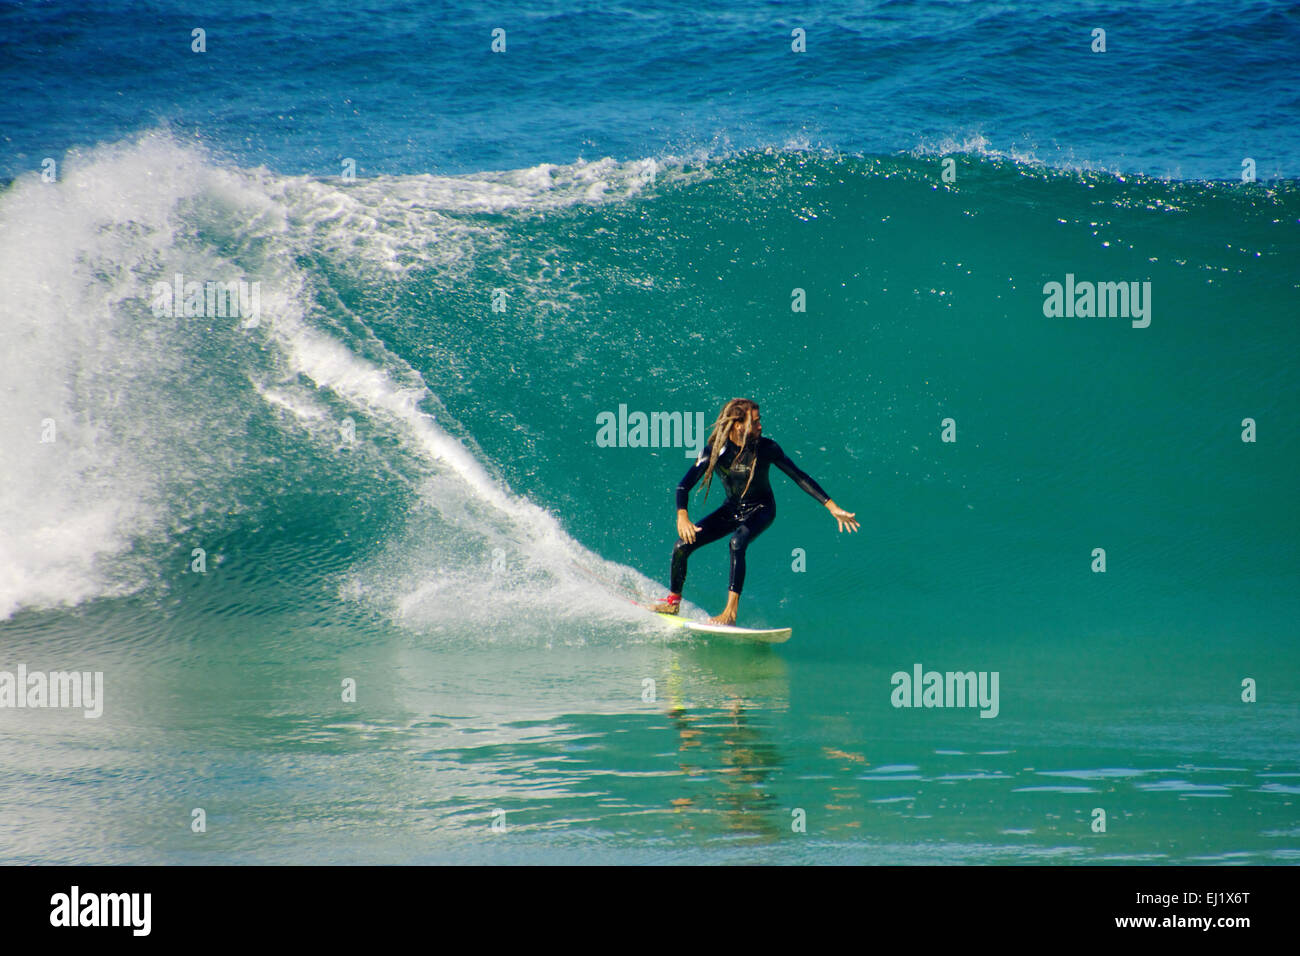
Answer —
728 614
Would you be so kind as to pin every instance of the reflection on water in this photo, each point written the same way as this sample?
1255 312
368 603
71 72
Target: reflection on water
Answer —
727 754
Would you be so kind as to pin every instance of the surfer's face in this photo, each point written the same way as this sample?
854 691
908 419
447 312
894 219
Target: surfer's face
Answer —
755 427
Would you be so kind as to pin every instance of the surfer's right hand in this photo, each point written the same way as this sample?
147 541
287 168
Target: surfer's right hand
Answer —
685 528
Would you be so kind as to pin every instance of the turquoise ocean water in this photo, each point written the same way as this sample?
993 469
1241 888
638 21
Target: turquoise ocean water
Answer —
393 477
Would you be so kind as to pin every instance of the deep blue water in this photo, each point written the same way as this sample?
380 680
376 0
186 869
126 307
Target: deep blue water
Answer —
1183 89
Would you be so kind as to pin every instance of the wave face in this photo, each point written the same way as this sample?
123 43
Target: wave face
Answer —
414 416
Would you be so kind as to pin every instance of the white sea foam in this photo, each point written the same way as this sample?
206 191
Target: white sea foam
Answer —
145 408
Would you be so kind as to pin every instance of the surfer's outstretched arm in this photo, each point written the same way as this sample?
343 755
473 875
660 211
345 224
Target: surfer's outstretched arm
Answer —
805 481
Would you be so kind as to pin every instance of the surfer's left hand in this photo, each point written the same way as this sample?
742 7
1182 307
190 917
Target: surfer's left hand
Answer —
845 518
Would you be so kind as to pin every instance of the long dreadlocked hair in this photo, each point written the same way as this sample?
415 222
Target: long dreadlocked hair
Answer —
736 411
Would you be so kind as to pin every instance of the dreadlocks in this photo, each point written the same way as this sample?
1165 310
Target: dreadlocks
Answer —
735 412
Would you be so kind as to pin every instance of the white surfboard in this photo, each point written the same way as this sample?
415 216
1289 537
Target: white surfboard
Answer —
774 635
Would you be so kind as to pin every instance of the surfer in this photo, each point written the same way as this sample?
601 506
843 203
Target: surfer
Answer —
737 451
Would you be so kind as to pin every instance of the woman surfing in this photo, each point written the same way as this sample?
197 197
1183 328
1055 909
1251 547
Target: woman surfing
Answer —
738 452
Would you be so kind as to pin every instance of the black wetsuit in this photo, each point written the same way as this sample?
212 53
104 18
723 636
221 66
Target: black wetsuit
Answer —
747 516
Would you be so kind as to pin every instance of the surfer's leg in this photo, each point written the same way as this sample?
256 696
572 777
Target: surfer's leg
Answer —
717 525
748 530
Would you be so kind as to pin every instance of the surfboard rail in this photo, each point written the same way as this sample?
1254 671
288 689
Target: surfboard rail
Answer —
774 635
